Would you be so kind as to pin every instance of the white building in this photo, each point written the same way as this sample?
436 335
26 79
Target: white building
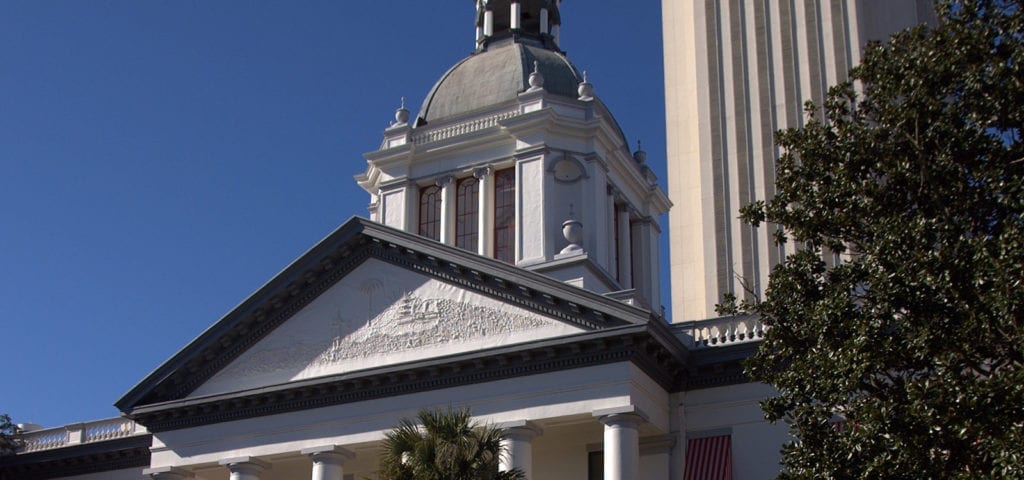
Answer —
510 265
735 73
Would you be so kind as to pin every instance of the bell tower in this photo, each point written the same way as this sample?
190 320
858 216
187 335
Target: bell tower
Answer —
513 156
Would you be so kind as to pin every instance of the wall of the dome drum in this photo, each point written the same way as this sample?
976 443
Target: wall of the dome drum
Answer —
494 76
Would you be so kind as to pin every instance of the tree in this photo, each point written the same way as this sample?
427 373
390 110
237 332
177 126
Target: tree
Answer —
444 445
8 442
896 333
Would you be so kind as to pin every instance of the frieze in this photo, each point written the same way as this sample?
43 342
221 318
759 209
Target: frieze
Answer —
379 314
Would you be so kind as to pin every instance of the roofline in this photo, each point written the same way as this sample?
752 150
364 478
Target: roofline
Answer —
529 289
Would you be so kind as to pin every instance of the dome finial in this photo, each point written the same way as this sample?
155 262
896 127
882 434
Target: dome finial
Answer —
401 115
586 89
536 78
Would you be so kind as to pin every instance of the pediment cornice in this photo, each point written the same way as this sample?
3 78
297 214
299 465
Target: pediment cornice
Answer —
341 252
650 347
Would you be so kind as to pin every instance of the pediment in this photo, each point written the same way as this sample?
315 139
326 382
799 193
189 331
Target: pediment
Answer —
380 314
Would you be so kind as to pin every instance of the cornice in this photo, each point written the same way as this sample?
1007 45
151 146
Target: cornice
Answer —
123 453
641 344
718 366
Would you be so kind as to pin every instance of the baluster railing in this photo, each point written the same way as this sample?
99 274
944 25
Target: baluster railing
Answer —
79 433
719 332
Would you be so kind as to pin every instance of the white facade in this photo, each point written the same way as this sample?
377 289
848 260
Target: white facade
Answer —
735 73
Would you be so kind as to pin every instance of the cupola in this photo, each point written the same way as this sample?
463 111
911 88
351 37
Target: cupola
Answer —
538 20
513 156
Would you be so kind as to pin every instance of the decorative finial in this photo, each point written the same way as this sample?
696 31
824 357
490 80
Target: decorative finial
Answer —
536 78
401 115
586 90
639 155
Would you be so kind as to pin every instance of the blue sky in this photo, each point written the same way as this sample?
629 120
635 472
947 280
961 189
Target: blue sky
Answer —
161 160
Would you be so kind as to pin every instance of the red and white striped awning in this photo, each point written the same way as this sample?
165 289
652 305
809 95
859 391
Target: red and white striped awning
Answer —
708 458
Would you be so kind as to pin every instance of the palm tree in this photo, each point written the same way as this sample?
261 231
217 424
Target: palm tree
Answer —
443 445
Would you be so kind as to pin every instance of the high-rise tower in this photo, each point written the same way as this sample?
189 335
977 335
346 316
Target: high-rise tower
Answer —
736 71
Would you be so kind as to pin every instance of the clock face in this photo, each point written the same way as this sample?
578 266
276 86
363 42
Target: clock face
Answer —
567 171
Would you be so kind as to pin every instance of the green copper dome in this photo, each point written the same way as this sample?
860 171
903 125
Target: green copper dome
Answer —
497 75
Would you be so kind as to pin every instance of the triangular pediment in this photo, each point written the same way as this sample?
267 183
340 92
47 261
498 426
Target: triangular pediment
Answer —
378 315
367 299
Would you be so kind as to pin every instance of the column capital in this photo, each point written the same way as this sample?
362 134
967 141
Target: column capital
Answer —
444 181
482 172
245 465
628 416
167 473
523 430
332 454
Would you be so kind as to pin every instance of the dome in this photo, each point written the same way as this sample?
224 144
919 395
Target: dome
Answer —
494 76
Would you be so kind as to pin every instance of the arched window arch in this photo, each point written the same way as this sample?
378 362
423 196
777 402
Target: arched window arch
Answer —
430 212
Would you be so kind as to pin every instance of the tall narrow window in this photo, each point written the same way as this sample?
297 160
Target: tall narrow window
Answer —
467 213
430 212
505 215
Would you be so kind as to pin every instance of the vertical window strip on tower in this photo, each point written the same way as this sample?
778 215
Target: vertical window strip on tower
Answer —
430 212
467 205
505 215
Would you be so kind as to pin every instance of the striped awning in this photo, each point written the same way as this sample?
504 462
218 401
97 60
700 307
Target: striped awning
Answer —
708 458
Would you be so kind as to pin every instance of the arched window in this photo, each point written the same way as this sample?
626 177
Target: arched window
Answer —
467 213
505 215
430 212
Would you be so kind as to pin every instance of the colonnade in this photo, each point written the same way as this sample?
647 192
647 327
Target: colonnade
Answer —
621 452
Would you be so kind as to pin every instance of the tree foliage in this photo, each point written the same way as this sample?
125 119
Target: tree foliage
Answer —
8 442
443 445
896 338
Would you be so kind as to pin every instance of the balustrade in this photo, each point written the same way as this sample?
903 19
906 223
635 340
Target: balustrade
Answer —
443 133
718 332
89 432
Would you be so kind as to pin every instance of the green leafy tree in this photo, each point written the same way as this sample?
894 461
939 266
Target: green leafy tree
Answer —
897 334
443 445
8 441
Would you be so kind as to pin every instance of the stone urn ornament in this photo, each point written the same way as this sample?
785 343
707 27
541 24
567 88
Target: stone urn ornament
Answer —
572 230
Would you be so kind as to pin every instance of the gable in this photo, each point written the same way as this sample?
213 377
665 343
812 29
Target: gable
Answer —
378 315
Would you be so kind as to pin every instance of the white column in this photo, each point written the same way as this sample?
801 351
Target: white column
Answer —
328 461
447 184
543 20
167 473
485 217
245 468
518 447
488 23
516 11
621 446
625 248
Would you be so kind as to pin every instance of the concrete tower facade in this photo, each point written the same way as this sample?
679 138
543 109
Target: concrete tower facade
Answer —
736 71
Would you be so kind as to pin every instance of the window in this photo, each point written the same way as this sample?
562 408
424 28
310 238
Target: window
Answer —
430 212
615 228
595 465
505 215
467 213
